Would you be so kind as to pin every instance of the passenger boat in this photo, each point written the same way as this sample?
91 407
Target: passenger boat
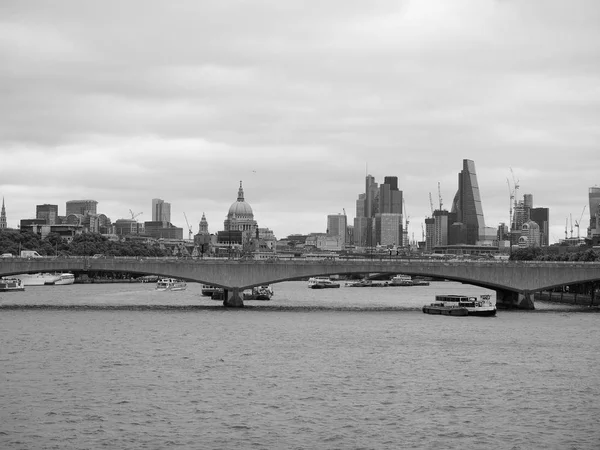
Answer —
402 280
322 283
37 279
64 278
11 285
461 305
170 284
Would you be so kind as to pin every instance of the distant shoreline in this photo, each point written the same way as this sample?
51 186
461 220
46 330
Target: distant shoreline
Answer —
568 298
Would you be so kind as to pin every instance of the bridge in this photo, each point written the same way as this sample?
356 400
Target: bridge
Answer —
515 282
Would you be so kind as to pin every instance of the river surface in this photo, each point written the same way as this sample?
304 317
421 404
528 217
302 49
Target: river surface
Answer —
121 366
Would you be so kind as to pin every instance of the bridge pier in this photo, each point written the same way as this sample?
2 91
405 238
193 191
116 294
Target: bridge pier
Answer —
514 300
232 298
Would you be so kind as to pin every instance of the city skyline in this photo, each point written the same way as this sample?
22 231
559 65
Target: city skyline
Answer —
300 106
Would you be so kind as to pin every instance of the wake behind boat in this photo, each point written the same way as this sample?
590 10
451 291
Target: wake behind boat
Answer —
461 305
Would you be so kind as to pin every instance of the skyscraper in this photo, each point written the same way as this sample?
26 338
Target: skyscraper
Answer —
594 197
337 226
161 210
467 204
541 217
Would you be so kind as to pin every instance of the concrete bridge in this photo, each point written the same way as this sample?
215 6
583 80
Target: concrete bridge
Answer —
514 282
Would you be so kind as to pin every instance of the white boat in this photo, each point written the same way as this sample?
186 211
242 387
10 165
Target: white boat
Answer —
402 280
365 282
461 305
65 278
11 285
322 283
264 292
170 284
37 279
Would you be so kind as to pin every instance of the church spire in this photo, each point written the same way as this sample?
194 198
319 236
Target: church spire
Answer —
240 193
2 216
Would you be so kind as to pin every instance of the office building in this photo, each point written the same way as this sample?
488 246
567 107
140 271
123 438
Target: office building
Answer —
161 210
81 207
541 216
337 225
390 197
467 205
594 198
388 229
47 212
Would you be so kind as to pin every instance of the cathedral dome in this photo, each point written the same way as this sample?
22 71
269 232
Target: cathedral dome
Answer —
240 209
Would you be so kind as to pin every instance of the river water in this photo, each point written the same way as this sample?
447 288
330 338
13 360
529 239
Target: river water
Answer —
123 366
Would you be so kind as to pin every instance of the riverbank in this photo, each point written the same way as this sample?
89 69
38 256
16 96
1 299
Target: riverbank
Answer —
565 297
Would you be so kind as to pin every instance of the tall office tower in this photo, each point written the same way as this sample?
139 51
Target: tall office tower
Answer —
203 228
47 212
337 225
440 228
371 208
82 207
541 216
594 196
360 231
3 216
360 205
161 210
521 212
429 233
388 229
467 204
390 198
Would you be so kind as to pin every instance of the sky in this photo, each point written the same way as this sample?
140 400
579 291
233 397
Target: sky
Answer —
123 102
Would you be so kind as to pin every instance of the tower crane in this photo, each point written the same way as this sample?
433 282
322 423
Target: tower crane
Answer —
189 228
440 195
578 222
431 203
133 215
405 230
515 189
511 194
571 217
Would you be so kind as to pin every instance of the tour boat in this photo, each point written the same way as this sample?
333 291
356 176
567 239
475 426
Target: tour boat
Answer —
402 280
64 278
360 283
37 279
264 292
11 285
208 290
170 284
461 305
322 283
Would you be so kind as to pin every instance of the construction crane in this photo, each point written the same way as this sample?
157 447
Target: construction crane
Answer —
578 222
440 195
571 217
405 230
511 194
133 215
189 228
566 227
344 209
431 203
515 189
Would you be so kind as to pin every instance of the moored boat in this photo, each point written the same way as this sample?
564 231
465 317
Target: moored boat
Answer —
37 279
401 280
170 284
322 283
11 285
64 279
360 283
264 292
461 305
208 290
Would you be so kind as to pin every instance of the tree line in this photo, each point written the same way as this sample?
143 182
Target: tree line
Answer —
585 254
87 244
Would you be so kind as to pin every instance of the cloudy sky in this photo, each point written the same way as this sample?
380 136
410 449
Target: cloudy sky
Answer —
125 101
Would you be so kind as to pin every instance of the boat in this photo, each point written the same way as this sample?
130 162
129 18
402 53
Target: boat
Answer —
461 305
37 279
11 285
322 283
64 278
402 280
420 282
264 292
170 284
208 290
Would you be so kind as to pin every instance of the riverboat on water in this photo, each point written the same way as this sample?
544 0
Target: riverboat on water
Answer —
461 305
322 283
11 285
365 282
64 279
402 280
208 290
37 279
264 292
171 284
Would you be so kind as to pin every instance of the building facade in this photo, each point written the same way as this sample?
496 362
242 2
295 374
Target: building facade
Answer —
47 212
467 204
3 224
337 225
161 210
82 207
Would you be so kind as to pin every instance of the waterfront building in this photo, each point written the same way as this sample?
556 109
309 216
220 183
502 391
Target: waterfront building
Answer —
337 225
81 207
161 211
47 212
3 224
124 227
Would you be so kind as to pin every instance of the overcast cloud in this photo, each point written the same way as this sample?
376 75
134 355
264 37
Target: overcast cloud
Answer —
122 102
